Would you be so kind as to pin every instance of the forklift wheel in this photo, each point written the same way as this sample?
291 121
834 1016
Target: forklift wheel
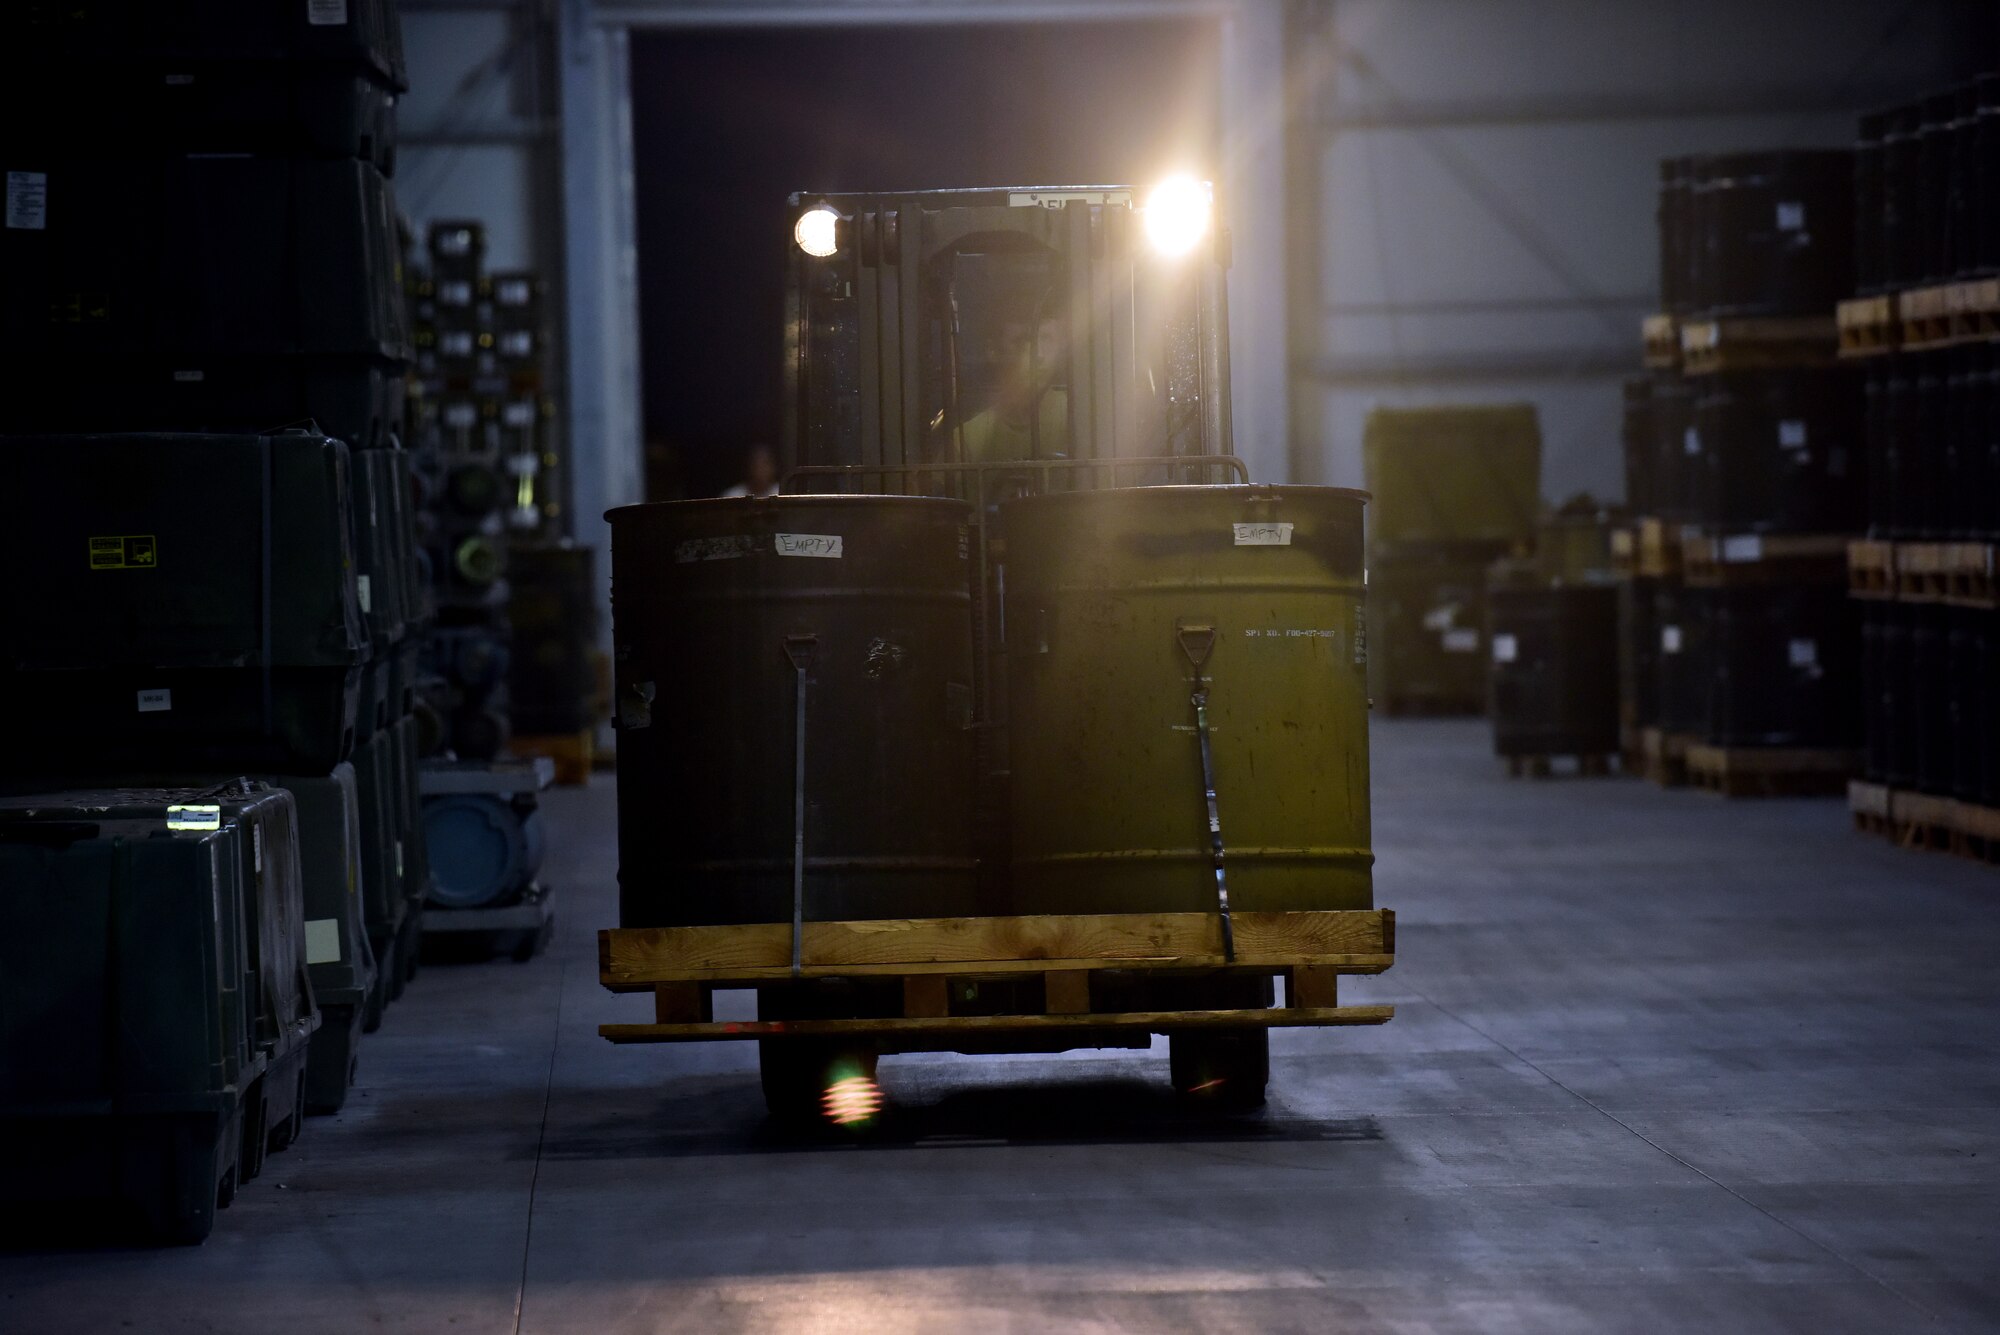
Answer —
1221 1069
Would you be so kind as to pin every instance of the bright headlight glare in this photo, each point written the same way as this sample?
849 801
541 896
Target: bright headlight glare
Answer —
817 232
1177 214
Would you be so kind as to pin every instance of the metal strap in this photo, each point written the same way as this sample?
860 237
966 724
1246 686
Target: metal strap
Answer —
1197 642
799 648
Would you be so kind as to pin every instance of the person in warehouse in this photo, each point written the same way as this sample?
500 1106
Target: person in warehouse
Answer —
760 473
1029 415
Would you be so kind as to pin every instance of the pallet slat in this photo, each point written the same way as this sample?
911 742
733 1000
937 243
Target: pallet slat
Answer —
638 957
1770 771
1270 1017
1712 346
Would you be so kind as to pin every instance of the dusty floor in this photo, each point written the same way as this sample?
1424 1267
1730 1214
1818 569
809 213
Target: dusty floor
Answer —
1660 1063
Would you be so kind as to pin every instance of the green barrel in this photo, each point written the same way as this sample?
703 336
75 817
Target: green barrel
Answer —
740 625
1111 597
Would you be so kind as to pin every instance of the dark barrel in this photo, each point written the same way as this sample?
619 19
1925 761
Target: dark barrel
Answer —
1781 451
1638 654
1555 675
1685 668
1871 260
1786 666
1673 217
720 609
1677 463
1637 435
1775 231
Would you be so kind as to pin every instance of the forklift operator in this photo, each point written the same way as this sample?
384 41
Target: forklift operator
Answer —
1029 415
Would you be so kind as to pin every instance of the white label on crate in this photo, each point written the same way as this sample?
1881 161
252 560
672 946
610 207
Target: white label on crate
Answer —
1791 215
1791 435
1460 641
809 544
326 13
28 201
1743 547
728 548
361 592
322 941
189 377
1505 649
194 817
461 416
1670 639
179 80
257 848
1439 618
1803 653
157 701
1691 441
518 414
1263 535
399 857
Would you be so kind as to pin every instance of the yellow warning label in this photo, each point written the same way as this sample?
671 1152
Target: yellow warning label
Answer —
131 551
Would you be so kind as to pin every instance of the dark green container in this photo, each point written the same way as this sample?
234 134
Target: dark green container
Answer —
722 611
177 602
126 1022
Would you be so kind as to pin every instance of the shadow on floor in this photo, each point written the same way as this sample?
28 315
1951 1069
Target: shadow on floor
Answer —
725 1115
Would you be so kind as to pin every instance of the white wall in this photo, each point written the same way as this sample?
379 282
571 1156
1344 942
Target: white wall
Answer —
462 106
1486 188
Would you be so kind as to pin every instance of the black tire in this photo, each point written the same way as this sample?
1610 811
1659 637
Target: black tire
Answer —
1225 1070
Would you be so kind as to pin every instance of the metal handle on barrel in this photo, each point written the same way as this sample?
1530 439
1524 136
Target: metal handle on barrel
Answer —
1198 642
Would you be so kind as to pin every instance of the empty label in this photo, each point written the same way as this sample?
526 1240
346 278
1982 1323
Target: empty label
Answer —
322 941
1791 435
1791 215
361 592
809 544
1670 639
192 817
326 13
156 701
1263 535
1691 441
28 200
1505 649
1804 653
1461 641
1743 547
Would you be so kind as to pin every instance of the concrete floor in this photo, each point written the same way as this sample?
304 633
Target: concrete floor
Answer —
1660 1063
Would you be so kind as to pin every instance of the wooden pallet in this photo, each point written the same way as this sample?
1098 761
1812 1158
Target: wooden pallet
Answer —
1869 804
1959 573
1663 757
1770 771
1867 326
1658 547
1926 821
1661 336
1712 561
1871 569
574 754
1949 313
682 967
1711 346
1593 766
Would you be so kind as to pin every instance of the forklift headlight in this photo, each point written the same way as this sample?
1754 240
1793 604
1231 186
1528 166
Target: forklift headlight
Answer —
1177 214
817 231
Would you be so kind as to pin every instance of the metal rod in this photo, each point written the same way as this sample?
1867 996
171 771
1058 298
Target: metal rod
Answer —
1197 642
799 648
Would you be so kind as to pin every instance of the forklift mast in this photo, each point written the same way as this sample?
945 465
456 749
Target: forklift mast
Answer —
970 327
